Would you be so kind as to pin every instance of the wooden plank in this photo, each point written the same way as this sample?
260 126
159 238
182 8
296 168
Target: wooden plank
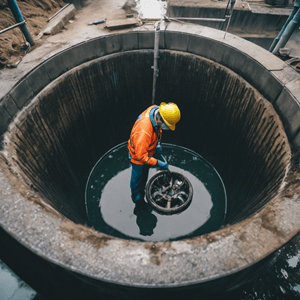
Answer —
111 24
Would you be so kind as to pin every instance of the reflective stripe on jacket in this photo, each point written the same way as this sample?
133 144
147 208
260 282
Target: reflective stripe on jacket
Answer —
143 140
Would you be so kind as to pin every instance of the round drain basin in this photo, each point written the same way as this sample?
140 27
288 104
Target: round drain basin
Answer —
169 192
198 197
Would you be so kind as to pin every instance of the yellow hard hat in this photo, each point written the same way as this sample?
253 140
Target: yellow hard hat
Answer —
170 114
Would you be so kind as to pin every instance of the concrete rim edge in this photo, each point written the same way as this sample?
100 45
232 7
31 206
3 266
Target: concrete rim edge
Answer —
199 250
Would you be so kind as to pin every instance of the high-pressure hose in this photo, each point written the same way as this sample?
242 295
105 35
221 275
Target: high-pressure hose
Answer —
287 30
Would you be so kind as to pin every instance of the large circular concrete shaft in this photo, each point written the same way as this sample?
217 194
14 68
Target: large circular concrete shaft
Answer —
239 110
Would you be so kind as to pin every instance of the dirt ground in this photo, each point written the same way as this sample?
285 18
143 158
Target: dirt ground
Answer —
36 13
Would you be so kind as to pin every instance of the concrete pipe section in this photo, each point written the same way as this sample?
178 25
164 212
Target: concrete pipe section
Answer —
240 111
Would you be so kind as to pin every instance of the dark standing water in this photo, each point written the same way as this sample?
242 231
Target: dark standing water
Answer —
12 287
280 280
111 210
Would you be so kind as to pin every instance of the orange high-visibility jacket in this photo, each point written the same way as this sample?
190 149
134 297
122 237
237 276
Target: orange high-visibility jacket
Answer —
143 140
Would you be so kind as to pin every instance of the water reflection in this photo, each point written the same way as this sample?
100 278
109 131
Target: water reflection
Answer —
12 287
280 280
145 220
111 210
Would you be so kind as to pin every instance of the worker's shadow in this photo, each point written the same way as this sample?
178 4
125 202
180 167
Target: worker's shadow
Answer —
145 220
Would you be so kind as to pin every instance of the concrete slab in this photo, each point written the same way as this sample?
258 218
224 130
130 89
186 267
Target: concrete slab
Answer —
176 41
56 66
182 26
23 93
9 105
294 87
113 24
5 119
288 109
146 40
130 41
286 75
56 24
113 43
38 79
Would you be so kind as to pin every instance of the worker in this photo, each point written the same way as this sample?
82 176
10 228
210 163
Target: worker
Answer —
144 145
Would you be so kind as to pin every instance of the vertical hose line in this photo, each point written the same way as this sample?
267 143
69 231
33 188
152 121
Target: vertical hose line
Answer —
225 13
228 17
156 56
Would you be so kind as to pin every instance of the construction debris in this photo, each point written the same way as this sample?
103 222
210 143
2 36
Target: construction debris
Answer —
96 22
57 23
114 24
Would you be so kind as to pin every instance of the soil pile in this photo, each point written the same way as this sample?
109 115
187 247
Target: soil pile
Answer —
36 13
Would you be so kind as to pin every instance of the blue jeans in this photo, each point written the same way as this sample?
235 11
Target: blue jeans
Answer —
139 177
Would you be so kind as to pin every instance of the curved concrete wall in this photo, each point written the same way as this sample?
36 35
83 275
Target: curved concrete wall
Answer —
91 108
274 79
189 263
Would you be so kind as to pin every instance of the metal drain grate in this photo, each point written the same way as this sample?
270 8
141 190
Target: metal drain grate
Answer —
169 192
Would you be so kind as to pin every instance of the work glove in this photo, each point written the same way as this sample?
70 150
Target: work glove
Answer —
162 165
158 148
